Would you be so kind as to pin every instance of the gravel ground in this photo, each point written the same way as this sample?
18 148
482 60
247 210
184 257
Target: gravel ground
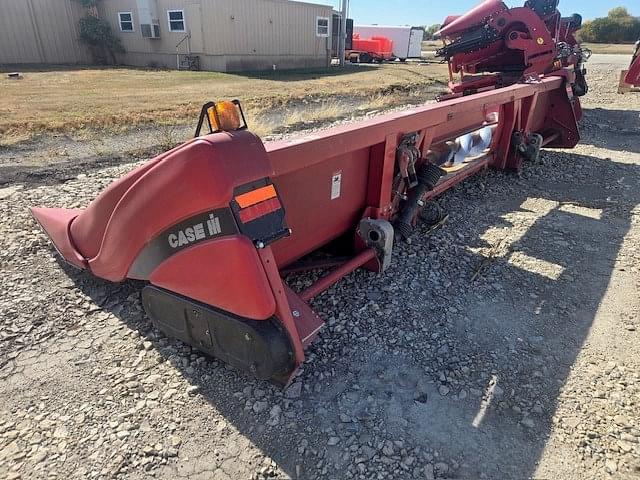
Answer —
502 346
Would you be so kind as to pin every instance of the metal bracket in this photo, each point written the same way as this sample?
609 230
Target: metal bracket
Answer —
378 234
407 154
528 146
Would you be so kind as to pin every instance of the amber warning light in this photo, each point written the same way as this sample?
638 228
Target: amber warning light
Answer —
223 116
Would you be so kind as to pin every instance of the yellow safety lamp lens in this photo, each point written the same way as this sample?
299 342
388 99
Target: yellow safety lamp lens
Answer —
224 115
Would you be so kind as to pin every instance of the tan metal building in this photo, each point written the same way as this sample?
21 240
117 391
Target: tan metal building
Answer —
222 35
41 31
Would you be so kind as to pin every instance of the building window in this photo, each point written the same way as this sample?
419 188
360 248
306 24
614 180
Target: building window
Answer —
322 27
176 20
126 21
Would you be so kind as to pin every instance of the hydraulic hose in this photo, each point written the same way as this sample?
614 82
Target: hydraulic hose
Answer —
428 176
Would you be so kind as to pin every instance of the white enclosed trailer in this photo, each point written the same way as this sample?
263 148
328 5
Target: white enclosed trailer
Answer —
407 41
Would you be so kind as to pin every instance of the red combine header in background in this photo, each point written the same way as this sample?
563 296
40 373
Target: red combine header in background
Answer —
630 79
494 46
215 226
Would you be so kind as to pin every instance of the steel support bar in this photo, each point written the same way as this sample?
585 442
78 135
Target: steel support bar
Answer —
312 265
335 275
551 138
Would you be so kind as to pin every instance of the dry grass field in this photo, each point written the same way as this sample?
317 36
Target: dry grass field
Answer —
79 100
614 48
82 100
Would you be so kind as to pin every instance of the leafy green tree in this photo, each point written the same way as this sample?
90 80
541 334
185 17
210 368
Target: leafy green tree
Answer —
97 34
618 12
429 31
617 27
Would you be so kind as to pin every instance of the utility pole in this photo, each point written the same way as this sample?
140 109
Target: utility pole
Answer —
342 40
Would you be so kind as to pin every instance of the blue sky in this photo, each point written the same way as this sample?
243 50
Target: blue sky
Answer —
408 12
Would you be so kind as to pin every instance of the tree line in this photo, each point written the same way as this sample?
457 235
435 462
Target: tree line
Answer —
619 26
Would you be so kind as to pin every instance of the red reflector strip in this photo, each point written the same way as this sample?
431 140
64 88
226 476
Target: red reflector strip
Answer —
259 210
255 196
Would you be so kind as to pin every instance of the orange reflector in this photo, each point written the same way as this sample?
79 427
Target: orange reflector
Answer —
259 210
256 196
227 118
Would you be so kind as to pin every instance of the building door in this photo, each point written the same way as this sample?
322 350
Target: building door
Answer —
193 14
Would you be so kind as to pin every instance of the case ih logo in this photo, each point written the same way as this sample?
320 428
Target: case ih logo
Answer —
189 232
195 232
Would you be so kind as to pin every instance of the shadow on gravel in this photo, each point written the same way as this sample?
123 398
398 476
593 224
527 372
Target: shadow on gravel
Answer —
614 129
462 375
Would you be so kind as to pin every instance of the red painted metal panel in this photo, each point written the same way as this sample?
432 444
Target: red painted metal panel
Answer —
382 158
55 222
365 154
312 214
563 118
225 273
451 115
198 177
469 19
283 308
632 77
88 229
508 118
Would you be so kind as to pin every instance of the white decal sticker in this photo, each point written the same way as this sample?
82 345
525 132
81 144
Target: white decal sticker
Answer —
195 232
214 225
336 182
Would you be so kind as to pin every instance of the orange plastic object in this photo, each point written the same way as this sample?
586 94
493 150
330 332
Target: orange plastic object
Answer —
256 196
228 117
378 46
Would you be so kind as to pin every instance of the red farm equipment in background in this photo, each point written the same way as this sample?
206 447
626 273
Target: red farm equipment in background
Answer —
630 79
215 226
494 46
367 50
